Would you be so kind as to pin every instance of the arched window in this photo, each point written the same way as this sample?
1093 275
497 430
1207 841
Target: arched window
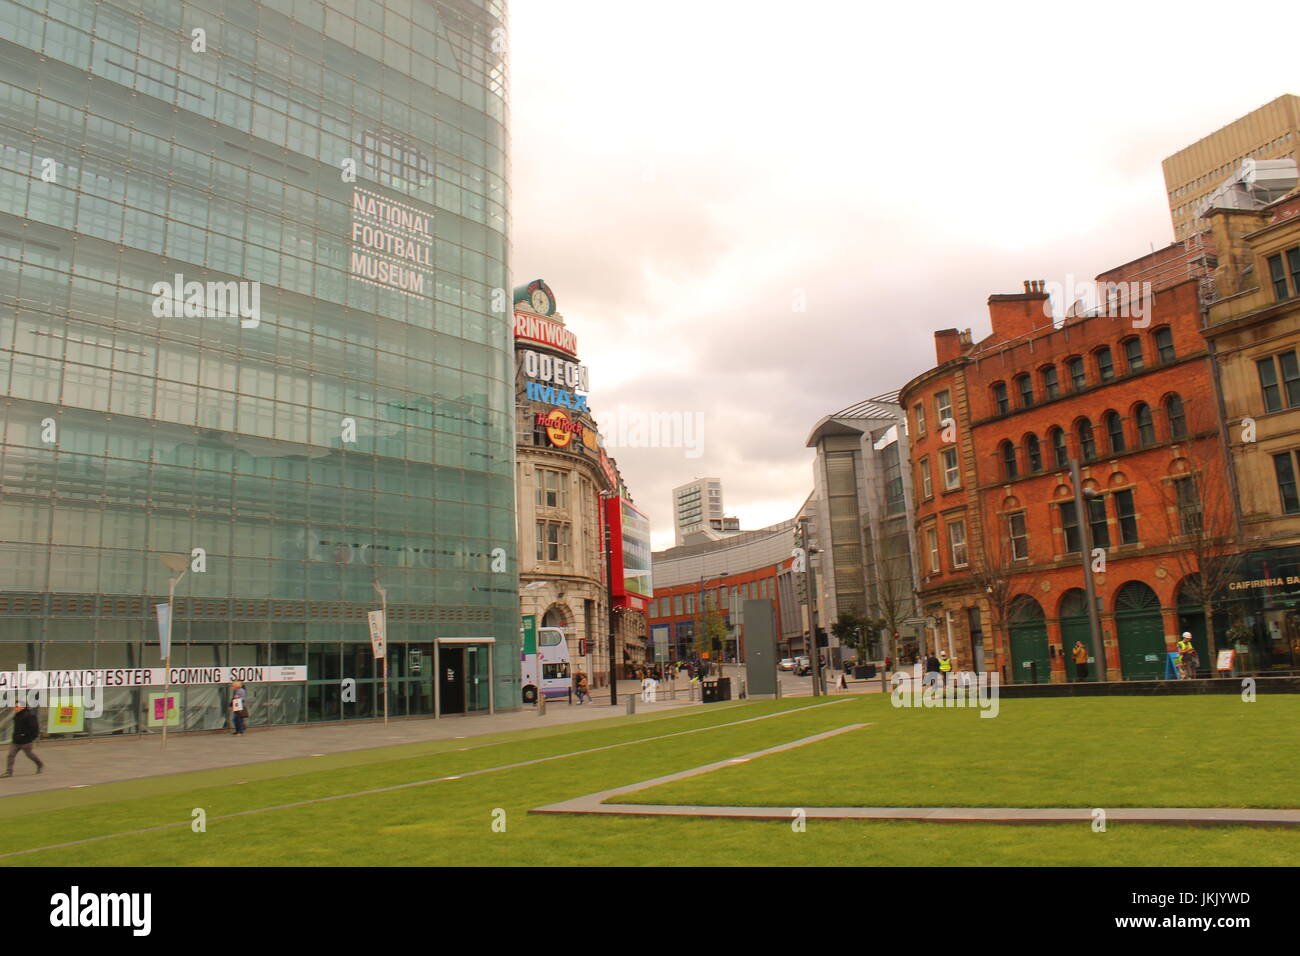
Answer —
1000 398
1060 454
1025 386
1133 354
1051 384
1087 443
1115 432
1164 345
1146 425
1033 453
1177 420
1008 452
1105 364
1078 377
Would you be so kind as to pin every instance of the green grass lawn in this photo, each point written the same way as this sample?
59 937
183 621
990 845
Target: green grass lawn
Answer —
1210 751
904 753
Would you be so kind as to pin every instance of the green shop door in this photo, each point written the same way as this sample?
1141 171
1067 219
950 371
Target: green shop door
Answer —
1140 632
1030 662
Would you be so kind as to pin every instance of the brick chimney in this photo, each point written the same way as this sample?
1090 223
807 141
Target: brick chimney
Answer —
948 345
1020 313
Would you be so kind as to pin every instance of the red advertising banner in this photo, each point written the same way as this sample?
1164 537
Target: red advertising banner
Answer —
630 558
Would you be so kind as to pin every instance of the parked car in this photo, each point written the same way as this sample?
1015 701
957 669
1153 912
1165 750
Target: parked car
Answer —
787 664
802 666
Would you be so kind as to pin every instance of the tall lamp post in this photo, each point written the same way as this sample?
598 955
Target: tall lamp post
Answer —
177 564
814 655
1090 589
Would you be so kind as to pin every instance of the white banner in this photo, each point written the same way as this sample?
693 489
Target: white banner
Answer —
378 632
150 677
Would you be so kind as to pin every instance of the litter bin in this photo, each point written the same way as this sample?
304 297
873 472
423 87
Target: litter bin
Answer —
717 690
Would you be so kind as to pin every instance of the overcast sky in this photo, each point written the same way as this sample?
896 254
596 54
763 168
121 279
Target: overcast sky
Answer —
686 174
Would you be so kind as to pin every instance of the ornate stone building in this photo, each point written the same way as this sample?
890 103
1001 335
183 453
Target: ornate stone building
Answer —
564 479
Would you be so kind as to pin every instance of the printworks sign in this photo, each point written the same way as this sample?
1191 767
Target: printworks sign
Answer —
533 328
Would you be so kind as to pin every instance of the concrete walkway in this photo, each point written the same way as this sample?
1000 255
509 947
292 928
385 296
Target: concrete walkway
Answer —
98 760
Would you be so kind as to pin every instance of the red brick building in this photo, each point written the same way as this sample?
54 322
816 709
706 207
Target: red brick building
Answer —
1126 389
694 581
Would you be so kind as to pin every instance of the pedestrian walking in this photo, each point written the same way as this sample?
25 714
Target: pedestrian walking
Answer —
931 669
584 689
238 706
654 690
1080 660
27 728
645 689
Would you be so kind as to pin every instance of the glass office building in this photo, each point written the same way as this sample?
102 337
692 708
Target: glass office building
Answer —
248 254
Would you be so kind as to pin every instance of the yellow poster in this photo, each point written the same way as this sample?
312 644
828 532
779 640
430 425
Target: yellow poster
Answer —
66 717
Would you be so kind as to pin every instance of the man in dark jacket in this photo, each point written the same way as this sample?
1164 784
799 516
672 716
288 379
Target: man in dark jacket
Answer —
932 670
26 729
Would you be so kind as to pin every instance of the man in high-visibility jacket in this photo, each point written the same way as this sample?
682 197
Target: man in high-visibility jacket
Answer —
945 666
1188 659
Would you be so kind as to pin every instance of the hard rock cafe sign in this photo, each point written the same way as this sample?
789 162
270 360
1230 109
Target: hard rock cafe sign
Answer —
560 429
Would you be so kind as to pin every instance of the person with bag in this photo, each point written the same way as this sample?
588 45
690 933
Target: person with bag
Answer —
238 707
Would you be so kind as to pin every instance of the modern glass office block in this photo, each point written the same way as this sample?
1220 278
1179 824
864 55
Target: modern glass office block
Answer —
248 254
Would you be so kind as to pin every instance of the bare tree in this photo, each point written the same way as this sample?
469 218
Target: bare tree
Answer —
1002 579
894 597
1201 521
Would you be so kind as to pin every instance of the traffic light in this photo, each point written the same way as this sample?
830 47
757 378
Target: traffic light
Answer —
582 647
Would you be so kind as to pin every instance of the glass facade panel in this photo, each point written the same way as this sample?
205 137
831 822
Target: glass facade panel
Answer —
247 310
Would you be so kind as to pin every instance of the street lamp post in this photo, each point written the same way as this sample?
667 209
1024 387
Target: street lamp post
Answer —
177 564
814 654
1090 590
